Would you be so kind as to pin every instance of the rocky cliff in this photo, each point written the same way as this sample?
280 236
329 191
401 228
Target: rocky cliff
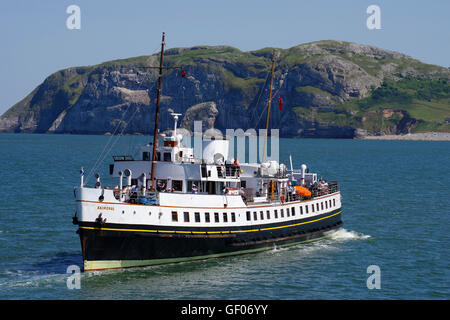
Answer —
329 89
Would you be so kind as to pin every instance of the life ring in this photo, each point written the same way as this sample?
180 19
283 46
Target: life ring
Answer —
282 198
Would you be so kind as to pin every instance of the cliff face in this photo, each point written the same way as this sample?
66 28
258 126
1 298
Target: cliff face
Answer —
329 88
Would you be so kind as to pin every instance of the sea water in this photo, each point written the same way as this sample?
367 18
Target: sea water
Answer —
396 200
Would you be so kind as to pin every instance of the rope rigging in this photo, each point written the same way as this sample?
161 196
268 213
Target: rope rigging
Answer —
105 153
259 97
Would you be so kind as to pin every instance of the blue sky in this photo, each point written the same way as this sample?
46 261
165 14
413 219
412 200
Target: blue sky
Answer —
35 41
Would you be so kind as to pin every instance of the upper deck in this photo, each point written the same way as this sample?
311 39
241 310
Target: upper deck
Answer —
177 169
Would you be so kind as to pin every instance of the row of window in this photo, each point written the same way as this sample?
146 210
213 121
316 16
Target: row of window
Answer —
291 211
261 216
207 217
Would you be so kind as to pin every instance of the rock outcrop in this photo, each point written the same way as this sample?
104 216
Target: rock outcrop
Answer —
205 112
320 82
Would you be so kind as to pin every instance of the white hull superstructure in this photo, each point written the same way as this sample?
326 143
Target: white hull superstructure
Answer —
232 215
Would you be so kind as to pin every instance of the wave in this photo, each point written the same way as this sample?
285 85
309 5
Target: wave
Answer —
18 278
344 234
329 242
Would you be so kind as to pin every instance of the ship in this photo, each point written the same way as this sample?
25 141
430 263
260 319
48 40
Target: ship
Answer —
172 204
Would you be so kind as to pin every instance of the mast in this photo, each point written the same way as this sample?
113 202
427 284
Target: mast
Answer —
268 107
158 100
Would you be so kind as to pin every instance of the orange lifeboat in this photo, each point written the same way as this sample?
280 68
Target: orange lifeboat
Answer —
302 191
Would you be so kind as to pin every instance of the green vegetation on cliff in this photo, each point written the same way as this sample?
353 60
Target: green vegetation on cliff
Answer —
330 89
425 100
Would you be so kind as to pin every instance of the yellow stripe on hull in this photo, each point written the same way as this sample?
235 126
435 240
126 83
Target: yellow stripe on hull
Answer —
209 232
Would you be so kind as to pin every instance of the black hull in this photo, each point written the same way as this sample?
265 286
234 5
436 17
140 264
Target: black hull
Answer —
112 246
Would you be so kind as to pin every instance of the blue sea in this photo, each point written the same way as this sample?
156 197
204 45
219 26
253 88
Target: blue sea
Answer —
396 200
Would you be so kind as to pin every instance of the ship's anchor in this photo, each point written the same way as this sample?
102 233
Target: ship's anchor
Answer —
75 218
100 220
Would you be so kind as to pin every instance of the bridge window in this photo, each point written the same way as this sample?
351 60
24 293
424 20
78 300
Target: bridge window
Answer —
321 205
225 217
248 215
312 207
282 213
167 156
204 171
306 209
197 216
177 185
161 184
146 156
301 210
334 202
207 217
276 214
262 215
216 217
293 211
317 206
233 217
194 186
174 216
255 216
186 216
268 214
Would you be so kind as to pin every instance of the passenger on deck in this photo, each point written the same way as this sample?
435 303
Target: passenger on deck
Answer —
235 168
194 188
161 187
242 193
290 191
324 186
259 193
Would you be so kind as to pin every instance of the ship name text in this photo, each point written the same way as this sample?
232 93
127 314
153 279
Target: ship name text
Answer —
105 208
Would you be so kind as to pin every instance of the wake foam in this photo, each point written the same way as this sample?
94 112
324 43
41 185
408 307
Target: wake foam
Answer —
344 234
327 243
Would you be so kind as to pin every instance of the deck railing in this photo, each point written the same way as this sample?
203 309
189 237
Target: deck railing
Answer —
248 196
321 190
316 191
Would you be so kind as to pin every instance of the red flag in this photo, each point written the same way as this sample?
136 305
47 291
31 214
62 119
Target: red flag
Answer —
183 74
280 103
